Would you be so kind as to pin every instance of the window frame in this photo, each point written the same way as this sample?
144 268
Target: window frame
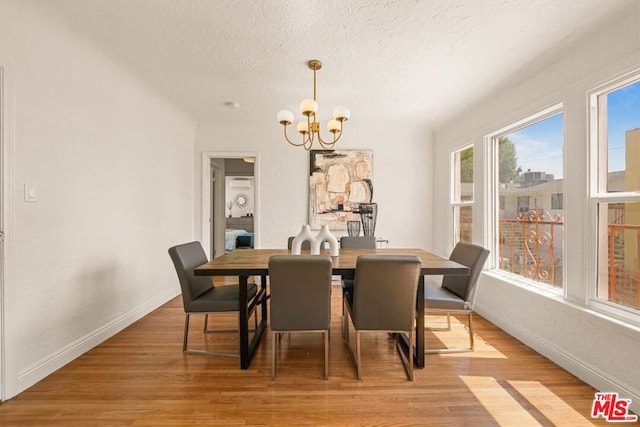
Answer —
492 198
558 198
598 193
453 203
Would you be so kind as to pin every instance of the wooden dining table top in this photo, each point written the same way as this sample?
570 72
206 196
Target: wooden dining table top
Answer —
256 261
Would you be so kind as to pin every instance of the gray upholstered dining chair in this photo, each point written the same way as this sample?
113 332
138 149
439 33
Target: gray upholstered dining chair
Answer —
456 294
200 296
300 299
353 242
383 299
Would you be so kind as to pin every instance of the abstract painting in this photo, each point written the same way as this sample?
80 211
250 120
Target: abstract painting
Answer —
339 180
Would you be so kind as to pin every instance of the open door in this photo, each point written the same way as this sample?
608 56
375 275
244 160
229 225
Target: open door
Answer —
216 166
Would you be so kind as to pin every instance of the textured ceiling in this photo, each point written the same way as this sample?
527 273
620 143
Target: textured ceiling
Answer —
395 60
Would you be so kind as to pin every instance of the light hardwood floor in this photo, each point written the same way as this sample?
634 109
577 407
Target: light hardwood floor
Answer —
140 377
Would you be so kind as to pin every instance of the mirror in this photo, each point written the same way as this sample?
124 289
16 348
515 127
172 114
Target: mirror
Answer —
241 200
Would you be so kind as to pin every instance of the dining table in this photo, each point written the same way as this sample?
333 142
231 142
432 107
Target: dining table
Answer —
246 263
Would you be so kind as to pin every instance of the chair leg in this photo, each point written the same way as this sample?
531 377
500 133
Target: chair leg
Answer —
274 354
358 360
453 350
407 361
411 348
448 328
210 331
344 318
471 345
326 353
211 353
206 322
186 333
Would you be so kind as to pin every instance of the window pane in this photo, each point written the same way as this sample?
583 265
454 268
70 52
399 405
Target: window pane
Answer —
531 210
557 201
462 195
464 223
619 135
619 265
463 175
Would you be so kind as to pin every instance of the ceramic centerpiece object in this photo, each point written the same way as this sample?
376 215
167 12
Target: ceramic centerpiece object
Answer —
325 235
304 235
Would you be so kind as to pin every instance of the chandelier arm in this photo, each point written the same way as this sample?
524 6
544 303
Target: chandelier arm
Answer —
308 144
302 144
311 126
328 144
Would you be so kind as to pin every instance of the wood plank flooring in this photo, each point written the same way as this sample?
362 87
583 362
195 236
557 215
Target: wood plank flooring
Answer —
140 377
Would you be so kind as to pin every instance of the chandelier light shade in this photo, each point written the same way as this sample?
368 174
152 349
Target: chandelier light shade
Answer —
309 128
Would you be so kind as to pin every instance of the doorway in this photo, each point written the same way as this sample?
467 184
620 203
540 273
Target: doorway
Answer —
217 167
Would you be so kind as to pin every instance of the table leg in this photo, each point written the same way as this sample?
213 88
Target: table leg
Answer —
245 358
263 285
419 353
248 348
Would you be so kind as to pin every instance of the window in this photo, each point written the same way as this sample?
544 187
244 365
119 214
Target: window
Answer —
462 194
529 186
523 204
557 201
615 194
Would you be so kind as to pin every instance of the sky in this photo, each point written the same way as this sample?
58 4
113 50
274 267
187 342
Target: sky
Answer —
539 146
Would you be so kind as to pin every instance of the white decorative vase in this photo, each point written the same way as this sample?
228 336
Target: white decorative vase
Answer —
325 235
304 235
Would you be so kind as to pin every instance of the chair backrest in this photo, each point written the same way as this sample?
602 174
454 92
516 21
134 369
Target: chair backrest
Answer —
305 245
384 292
186 257
358 242
300 288
472 256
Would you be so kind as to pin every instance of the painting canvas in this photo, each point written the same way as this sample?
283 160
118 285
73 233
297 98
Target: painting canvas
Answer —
339 181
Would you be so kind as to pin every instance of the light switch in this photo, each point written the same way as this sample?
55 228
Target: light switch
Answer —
30 193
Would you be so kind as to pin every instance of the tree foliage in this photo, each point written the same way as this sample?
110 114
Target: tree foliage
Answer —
466 165
509 170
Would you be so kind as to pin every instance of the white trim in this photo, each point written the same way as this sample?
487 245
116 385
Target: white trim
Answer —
598 170
454 218
205 191
491 200
587 373
491 182
529 120
44 367
8 382
3 203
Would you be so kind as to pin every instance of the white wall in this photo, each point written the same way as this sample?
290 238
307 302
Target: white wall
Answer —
113 167
402 177
600 350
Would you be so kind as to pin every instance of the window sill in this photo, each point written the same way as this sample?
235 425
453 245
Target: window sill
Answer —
626 321
528 284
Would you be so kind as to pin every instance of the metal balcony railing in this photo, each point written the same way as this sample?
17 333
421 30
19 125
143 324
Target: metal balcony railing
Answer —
530 245
624 272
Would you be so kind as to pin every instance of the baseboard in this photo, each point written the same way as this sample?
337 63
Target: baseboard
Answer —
41 369
559 356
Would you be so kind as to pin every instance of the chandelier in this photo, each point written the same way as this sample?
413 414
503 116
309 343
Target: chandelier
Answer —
309 129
